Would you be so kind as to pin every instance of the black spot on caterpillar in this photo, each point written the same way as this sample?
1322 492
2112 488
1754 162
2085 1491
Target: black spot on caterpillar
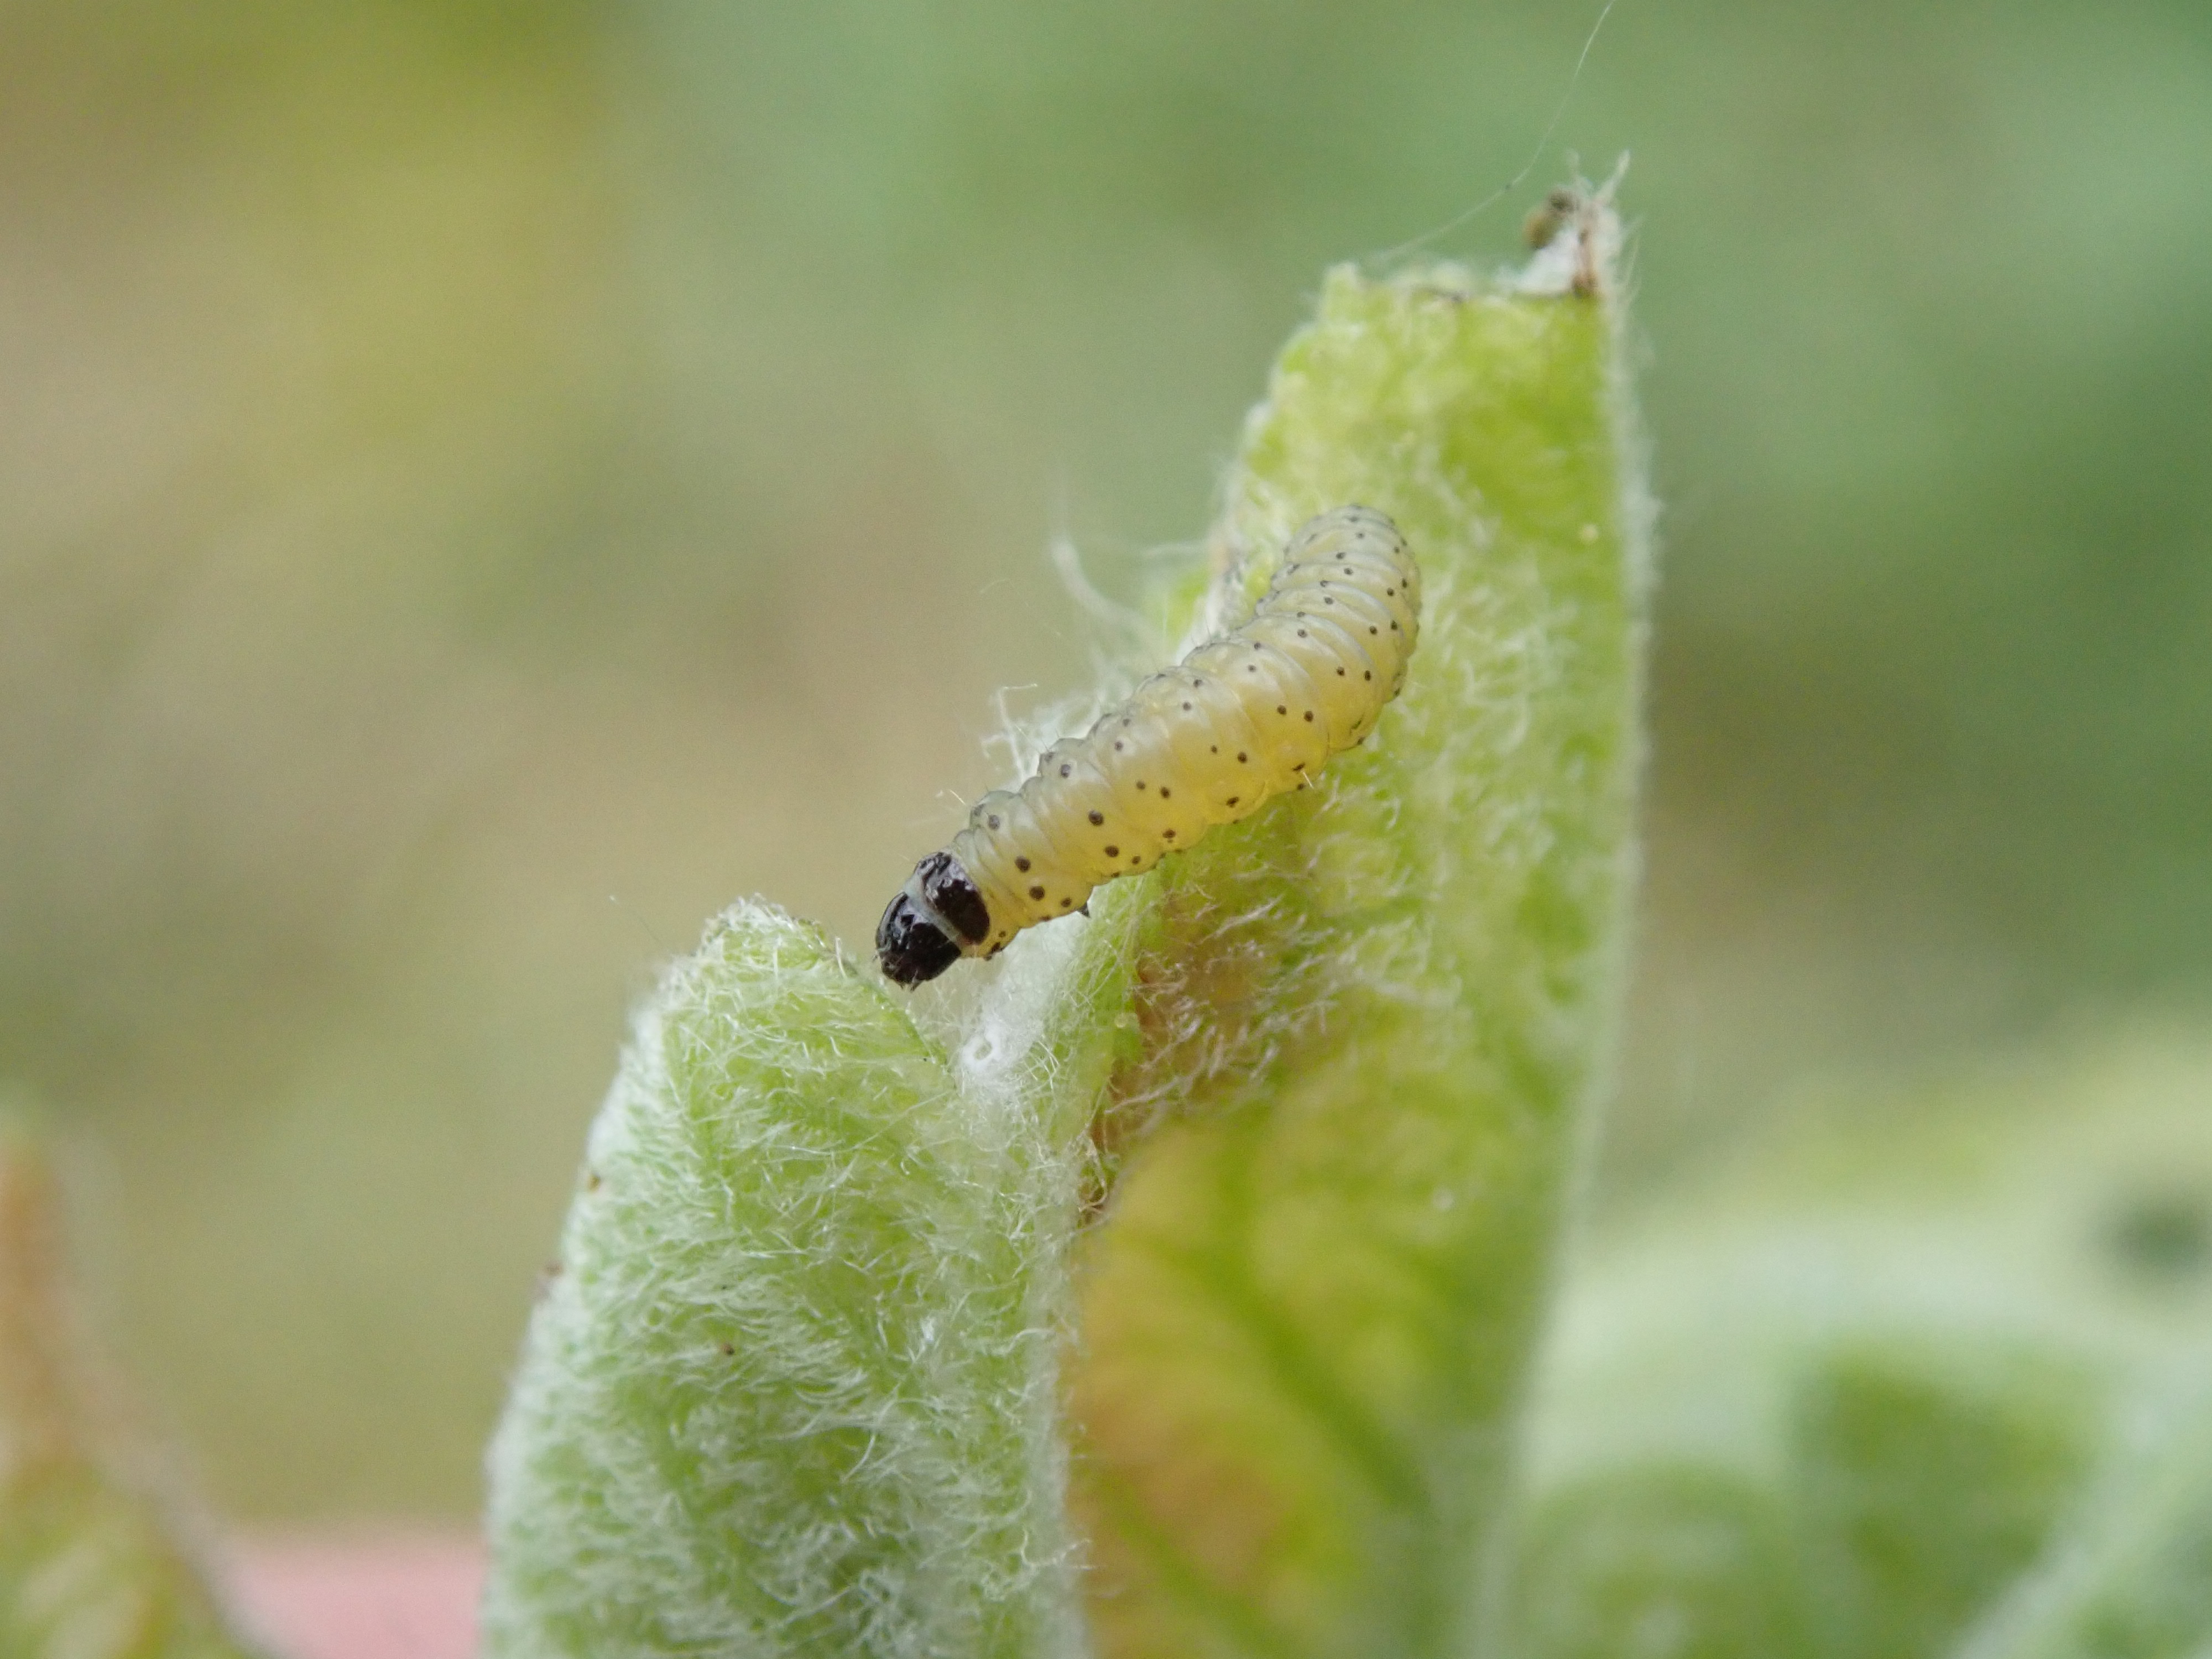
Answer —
1244 718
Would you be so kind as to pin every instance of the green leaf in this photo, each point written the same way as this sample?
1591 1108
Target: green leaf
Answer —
1374 1020
790 1390
1938 1350
2132 1579
1321 1084
1929 1474
1665 1561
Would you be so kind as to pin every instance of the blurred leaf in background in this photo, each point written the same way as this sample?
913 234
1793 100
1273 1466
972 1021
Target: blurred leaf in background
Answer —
1908 1371
461 461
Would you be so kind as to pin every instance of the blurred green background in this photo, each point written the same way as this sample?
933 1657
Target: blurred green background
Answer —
462 463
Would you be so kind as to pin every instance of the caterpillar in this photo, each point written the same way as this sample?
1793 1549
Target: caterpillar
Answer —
1242 718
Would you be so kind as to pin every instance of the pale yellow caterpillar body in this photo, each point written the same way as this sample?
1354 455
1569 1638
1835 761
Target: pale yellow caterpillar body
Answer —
1244 718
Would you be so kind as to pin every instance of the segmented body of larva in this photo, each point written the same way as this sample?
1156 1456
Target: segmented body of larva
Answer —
1241 719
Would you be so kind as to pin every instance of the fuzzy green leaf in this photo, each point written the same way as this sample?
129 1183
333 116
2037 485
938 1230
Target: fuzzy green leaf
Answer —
789 1392
1374 1020
1326 1077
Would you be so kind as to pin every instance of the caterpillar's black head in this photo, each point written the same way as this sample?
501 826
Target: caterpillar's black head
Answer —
912 945
921 934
